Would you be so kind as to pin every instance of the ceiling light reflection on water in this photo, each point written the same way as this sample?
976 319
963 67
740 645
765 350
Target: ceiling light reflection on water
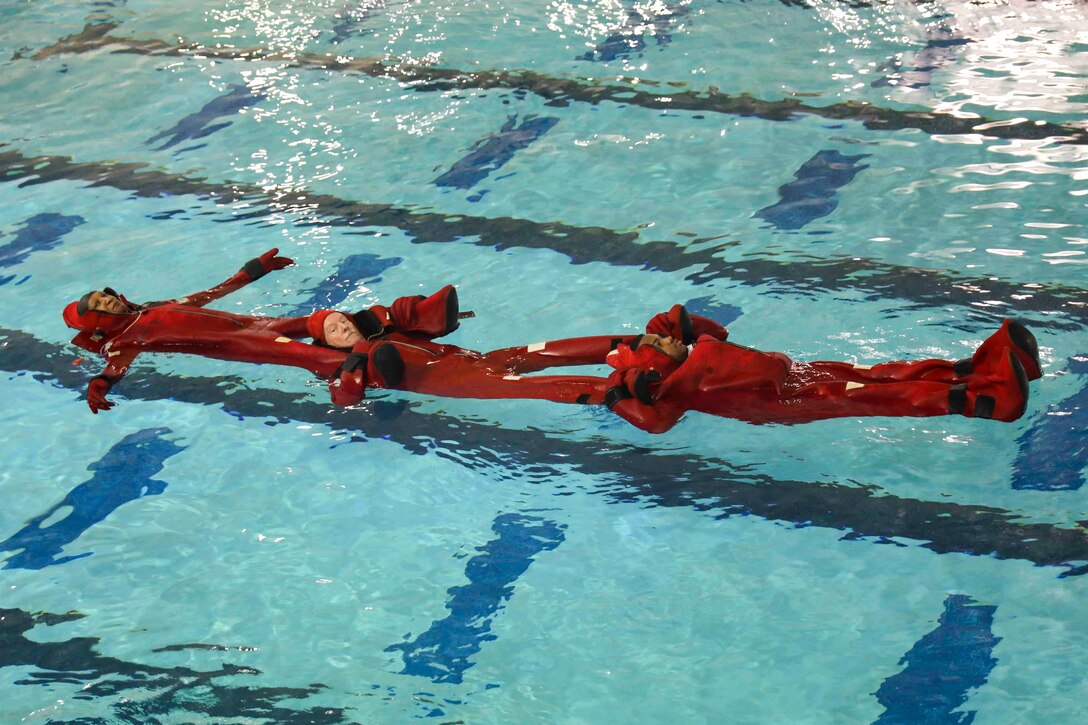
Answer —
281 28
1009 56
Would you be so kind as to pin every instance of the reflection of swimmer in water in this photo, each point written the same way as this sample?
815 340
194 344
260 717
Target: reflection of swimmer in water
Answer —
120 330
680 368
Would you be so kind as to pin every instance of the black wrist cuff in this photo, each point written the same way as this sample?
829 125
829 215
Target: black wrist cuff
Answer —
687 327
368 323
957 399
615 395
111 380
642 386
254 269
354 361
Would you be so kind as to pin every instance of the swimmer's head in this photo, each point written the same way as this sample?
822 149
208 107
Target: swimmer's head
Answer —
98 315
102 311
105 301
649 352
333 329
672 347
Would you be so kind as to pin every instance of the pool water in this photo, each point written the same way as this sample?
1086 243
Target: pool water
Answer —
830 179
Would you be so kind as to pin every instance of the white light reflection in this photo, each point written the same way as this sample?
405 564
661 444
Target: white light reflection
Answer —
1003 185
285 29
1000 169
422 123
589 21
310 148
614 31
965 57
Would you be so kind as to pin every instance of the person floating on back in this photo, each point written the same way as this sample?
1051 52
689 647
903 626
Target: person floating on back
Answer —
109 324
685 363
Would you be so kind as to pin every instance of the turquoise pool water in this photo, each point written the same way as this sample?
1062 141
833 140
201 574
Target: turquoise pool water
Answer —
830 179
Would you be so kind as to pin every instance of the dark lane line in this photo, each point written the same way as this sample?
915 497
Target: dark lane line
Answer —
1064 428
943 668
582 245
444 652
124 474
563 91
41 232
813 193
643 475
156 692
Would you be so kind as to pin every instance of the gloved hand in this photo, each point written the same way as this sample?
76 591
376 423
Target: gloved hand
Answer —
386 366
373 322
267 262
428 317
379 364
349 387
630 383
687 328
96 394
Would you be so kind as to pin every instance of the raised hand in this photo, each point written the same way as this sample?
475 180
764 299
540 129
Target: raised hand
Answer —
267 262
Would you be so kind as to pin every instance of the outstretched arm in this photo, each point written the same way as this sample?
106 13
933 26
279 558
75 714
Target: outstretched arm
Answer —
292 327
252 270
554 353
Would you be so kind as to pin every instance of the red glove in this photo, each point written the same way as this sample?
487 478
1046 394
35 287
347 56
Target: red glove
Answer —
630 398
428 317
386 366
630 383
267 262
379 363
96 394
349 387
679 325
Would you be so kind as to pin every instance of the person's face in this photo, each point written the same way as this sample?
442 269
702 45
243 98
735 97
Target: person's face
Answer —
340 331
675 349
104 302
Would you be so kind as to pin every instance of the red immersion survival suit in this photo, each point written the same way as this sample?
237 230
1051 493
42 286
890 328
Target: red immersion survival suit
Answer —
652 391
185 326
409 326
